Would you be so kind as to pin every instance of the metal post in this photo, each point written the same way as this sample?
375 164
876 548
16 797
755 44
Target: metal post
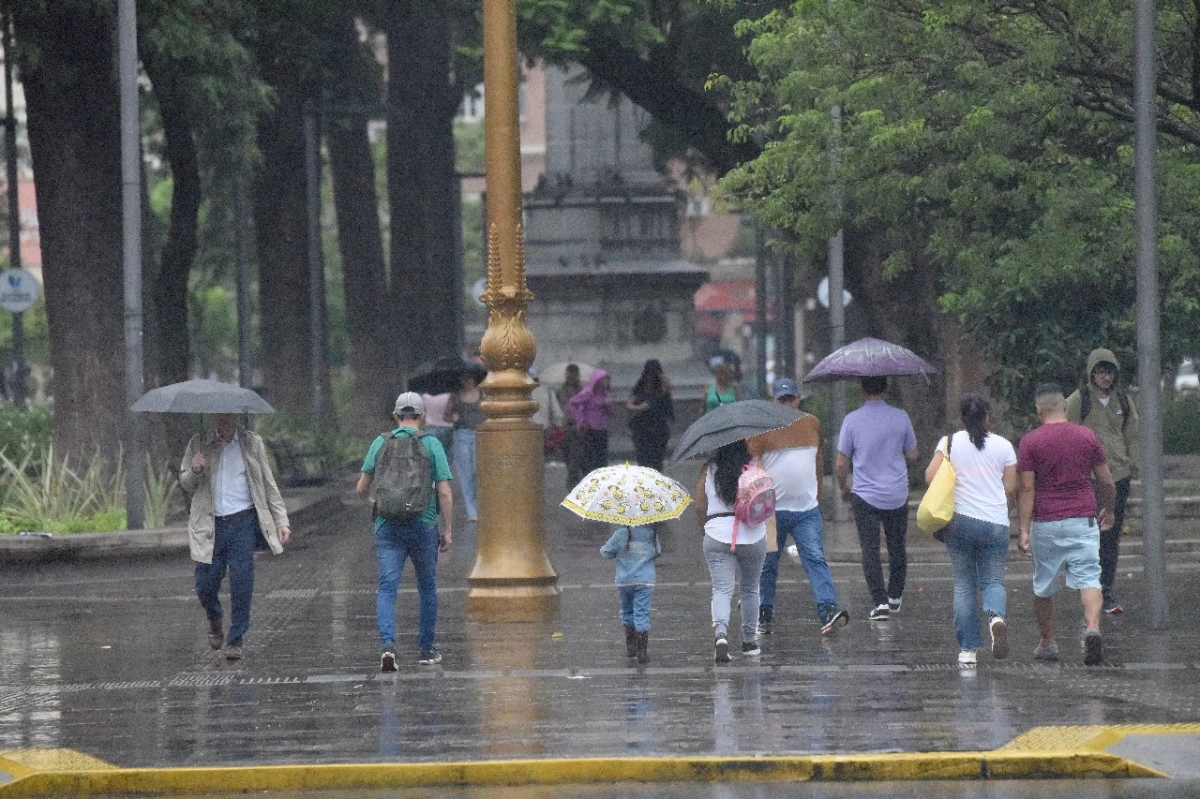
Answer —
242 267
316 268
837 307
785 314
1149 359
760 311
14 214
131 232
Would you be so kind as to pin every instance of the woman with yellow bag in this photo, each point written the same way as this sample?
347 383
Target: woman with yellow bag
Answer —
984 469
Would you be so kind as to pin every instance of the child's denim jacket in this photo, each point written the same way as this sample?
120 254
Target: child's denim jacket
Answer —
635 549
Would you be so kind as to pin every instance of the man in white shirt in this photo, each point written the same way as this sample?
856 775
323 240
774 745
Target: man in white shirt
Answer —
793 458
235 504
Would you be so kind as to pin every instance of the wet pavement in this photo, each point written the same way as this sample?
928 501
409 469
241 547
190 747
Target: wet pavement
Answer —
110 659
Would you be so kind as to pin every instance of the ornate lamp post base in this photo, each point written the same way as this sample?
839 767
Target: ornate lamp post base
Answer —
512 579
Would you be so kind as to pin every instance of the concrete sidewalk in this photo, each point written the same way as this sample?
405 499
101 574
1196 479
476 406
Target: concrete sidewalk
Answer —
109 659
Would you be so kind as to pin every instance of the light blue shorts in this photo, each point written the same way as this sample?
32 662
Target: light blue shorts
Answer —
1072 545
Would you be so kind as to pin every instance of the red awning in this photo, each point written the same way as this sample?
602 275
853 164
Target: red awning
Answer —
721 296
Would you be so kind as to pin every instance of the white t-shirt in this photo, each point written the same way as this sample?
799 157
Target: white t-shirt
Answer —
794 471
979 483
721 529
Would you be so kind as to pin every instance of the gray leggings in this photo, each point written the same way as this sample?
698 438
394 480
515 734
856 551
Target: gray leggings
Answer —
723 565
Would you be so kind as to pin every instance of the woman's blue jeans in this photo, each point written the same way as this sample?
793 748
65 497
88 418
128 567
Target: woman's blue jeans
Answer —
393 544
463 447
635 605
978 550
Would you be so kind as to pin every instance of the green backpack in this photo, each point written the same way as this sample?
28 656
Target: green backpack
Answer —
403 484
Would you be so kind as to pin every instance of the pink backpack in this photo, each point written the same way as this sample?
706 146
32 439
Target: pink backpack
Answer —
755 498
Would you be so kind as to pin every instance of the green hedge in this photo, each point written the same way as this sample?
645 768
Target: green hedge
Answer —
1181 424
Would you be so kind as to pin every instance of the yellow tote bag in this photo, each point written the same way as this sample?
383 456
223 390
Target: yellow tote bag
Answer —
937 506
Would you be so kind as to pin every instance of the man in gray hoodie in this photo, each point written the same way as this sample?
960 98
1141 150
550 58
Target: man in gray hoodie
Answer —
1102 404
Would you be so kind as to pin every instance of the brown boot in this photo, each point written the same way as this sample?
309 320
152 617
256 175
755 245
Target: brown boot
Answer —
643 644
631 640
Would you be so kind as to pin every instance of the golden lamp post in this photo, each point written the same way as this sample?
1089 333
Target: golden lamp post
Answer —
512 578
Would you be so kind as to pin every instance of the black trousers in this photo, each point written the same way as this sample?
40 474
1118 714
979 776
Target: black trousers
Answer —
869 519
1110 541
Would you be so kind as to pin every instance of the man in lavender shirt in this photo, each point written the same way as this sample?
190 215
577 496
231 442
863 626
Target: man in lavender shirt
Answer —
878 441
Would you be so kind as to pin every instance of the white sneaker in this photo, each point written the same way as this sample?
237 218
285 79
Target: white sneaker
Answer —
879 613
793 552
967 659
894 604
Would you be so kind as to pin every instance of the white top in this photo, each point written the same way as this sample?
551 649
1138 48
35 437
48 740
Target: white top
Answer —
435 409
549 412
979 484
232 490
794 472
721 529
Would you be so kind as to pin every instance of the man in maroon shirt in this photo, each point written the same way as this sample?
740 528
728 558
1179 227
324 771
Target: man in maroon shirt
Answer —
1057 506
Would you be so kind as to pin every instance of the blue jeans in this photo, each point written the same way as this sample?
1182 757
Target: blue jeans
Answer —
393 544
978 550
464 467
233 549
635 605
805 528
445 435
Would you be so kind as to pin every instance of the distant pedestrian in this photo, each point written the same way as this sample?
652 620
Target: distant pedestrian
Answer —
634 549
878 441
985 485
1103 405
592 409
465 412
549 415
651 412
235 504
715 498
793 458
724 388
1056 464
572 440
436 423
407 477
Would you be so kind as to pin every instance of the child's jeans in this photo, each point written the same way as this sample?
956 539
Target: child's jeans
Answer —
635 605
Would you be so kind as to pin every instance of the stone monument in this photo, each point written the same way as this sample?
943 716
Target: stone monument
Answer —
602 245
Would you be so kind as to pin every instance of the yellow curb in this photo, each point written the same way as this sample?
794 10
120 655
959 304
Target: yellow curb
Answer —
1091 738
909 766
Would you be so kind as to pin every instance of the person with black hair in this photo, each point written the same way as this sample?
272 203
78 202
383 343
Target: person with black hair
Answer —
1102 405
878 441
715 497
651 412
985 485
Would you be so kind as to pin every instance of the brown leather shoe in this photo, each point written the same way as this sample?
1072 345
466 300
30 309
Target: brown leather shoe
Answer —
216 636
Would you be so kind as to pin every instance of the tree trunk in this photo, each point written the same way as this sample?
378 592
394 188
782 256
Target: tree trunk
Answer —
371 325
426 285
280 217
74 137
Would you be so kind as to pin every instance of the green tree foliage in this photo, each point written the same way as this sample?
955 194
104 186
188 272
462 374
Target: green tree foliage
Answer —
988 145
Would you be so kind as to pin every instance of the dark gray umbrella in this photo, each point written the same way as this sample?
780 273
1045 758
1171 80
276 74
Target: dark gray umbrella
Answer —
868 357
202 396
445 375
733 422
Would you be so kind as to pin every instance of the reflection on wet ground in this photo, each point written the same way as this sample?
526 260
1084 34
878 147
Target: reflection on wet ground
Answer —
110 659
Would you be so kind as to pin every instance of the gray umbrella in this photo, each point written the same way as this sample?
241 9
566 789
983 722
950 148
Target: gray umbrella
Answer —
202 396
733 422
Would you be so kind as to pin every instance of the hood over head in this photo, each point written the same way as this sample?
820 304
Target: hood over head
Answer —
1098 356
596 377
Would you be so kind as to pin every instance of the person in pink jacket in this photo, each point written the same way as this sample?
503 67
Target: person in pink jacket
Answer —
592 409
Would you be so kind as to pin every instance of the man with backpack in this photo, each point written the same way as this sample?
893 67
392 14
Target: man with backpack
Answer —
1102 405
407 476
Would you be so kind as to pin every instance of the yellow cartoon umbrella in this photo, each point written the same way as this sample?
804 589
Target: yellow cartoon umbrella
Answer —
627 494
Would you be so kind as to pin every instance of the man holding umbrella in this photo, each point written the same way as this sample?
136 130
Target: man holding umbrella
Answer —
235 505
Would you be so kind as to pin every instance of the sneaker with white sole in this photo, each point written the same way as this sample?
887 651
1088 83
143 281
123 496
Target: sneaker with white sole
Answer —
1046 651
430 657
750 648
387 661
722 650
967 659
1093 647
894 604
879 613
833 621
999 632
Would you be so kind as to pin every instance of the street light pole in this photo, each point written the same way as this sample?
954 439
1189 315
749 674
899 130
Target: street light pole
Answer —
14 213
512 578
1148 308
131 233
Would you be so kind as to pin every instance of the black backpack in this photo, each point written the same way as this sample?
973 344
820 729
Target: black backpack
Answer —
403 484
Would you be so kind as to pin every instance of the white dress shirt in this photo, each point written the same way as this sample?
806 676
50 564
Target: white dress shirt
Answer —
231 492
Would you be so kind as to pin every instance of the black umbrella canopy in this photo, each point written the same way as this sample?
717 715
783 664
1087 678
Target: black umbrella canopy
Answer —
201 396
444 375
733 422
